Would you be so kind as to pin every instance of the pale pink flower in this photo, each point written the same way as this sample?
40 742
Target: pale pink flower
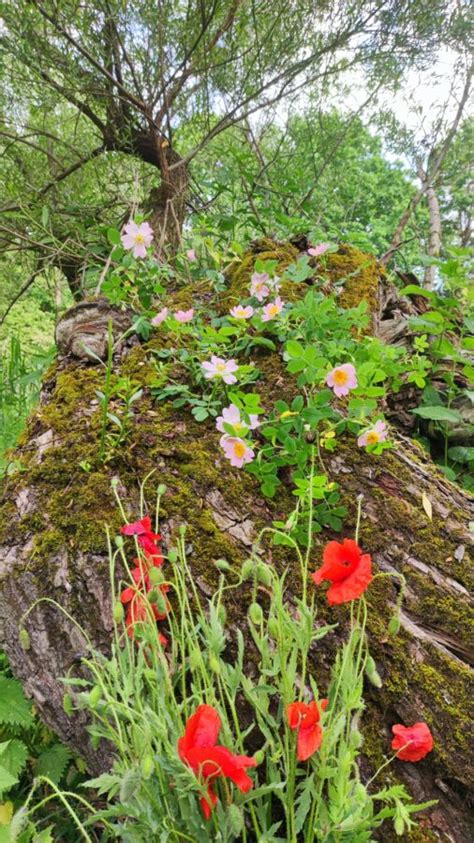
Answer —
272 309
342 379
184 315
259 285
216 367
231 415
160 317
191 255
241 312
375 434
314 251
236 450
137 238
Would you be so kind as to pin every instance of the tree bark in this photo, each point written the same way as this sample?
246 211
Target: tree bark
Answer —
52 542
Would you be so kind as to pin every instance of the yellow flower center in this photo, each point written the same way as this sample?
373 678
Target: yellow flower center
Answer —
273 309
239 449
238 426
373 437
139 238
340 377
220 367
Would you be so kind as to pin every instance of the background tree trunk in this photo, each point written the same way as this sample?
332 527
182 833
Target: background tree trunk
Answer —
52 540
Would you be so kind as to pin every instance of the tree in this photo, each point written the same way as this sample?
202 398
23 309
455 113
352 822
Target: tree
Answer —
127 77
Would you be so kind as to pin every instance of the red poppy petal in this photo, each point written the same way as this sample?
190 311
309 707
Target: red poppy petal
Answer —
202 730
294 713
207 804
354 585
309 741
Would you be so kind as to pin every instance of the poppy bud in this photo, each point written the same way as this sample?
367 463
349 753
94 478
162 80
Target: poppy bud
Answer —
155 576
371 672
255 613
119 541
247 569
173 556
394 625
182 530
118 612
161 603
214 664
67 705
148 766
235 820
95 695
24 639
264 574
259 756
222 565
273 627
161 489
194 659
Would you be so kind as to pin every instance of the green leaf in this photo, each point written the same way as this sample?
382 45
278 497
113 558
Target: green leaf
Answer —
438 414
6 780
294 348
13 756
113 236
53 761
15 709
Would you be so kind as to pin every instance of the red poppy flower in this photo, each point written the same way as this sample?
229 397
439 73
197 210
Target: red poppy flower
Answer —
412 743
146 538
305 718
197 748
349 570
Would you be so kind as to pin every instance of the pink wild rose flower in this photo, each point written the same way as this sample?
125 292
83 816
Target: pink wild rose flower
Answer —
184 316
260 285
236 450
160 317
241 312
231 415
314 251
272 309
191 255
216 367
342 379
137 238
375 434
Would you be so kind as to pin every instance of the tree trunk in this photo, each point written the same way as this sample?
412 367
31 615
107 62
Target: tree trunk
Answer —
434 243
52 541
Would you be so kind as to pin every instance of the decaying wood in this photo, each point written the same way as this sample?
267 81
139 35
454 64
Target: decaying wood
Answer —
47 549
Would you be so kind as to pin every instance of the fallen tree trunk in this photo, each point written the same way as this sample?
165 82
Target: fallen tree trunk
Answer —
54 512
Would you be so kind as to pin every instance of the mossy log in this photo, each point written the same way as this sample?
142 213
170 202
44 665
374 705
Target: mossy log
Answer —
55 509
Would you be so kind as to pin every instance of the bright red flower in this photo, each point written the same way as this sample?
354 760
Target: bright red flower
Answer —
305 718
349 570
197 748
146 538
412 743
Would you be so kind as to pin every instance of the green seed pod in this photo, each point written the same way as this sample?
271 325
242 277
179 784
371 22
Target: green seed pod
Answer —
148 766
156 576
118 612
95 695
214 664
255 613
173 556
235 820
25 639
264 574
161 489
222 565
67 705
394 625
247 569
